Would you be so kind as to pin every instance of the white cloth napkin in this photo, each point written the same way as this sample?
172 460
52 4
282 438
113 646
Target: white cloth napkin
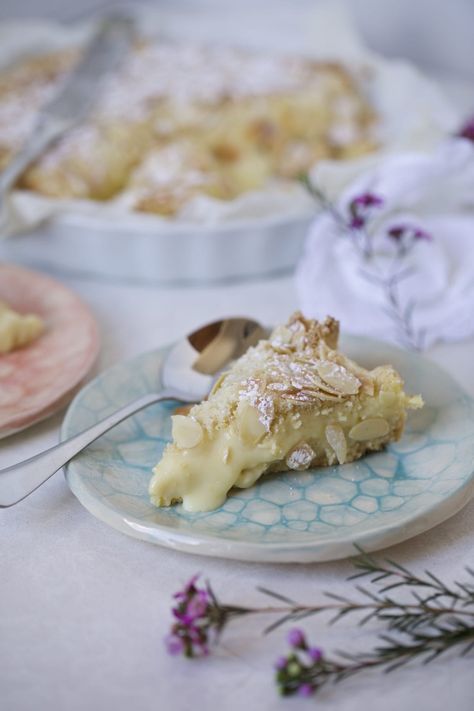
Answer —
430 192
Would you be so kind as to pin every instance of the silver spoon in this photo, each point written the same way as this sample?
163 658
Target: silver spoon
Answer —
188 375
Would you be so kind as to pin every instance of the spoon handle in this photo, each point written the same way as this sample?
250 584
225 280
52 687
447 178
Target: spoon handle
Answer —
20 480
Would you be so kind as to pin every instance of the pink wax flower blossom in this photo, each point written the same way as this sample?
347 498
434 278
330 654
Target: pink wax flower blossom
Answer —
195 617
301 671
315 654
306 690
297 639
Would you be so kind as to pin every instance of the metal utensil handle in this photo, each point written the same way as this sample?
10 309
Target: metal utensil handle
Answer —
103 54
20 480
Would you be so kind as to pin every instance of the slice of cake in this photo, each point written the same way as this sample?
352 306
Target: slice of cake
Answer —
290 403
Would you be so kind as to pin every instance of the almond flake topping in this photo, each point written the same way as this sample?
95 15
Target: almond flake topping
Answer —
187 432
338 377
337 441
372 428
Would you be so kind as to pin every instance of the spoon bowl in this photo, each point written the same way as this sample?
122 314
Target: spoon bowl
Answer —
193 363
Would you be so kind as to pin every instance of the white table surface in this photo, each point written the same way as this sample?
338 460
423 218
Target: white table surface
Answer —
83 608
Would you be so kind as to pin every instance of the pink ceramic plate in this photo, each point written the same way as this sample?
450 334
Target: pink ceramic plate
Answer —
39 379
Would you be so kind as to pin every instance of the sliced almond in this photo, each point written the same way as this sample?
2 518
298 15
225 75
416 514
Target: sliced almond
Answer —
300 457
187 432
281 336
299 338
309 396
311 381
372 428
302 369
337 441
281 349
338 377
251 428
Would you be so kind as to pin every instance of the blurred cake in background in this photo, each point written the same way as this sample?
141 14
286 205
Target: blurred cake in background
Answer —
182 120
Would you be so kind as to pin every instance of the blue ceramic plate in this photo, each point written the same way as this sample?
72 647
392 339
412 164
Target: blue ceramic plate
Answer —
316 515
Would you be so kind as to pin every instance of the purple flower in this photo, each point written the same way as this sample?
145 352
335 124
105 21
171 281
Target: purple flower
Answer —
195 615
297 639
396 233
306 690
402 233
189 589
198 604
467 130
299 673
368 200
315 654
361 207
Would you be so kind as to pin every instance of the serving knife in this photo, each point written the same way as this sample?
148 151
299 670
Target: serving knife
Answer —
74 100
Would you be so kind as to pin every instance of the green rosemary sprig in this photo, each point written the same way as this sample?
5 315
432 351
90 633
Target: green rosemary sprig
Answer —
306 669
429 618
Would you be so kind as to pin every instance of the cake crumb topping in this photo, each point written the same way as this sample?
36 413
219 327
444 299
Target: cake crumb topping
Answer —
296 368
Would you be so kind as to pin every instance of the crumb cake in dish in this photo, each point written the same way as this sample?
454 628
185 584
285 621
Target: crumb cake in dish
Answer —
17 330
179 120
292 402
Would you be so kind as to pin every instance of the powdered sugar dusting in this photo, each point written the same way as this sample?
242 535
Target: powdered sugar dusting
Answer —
264 403
175 122
18 112
184 74
285 373
194 73
174 166
339 377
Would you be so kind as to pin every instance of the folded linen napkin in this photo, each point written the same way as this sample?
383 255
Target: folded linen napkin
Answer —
393 257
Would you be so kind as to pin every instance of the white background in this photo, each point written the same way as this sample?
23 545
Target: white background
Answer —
437 34
83 609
